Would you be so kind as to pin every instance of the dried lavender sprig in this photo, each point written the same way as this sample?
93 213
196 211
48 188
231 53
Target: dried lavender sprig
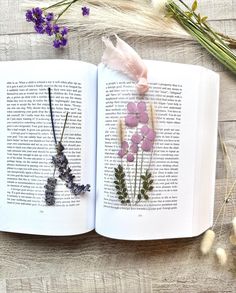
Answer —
61 163
50 190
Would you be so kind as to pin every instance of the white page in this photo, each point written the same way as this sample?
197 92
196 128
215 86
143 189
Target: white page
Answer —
27 145
168 213
205 168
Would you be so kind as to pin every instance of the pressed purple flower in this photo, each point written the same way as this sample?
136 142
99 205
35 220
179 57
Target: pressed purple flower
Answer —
136 138
149 136
134 148
56 44
124 149
130 157
136 114
85 11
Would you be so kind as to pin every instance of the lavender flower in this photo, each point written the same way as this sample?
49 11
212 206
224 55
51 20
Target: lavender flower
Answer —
85 11
44 24
61 163
50 190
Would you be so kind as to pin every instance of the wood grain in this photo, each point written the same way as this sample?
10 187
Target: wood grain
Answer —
91 263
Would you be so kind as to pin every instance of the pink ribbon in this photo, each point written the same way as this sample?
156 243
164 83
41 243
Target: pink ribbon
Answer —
125 59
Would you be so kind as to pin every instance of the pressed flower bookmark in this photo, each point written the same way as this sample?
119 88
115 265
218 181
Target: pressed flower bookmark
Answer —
60 163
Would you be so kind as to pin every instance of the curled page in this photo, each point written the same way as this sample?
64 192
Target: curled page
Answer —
123 58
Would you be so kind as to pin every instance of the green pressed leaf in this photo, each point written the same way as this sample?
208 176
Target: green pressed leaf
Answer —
204 18
149 175
194 5
125 194
142 191
123 201
150 188
116 182
119 193
120 197
150 182
139 196
145 185
143 177
146 196
125 189
127 201
117 187
122 176
116 170
117 176
122 181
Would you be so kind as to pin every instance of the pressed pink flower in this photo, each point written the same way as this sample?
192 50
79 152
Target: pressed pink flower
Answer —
136 114
128 151
136 138
124 149
149 136
130 157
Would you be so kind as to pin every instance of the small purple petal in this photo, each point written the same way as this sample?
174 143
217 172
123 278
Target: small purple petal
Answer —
121 153
29 15
56 43
56 28
49 16
130 157
136 138
131 107
146 145
131 120
134 148
124 145
144 130
143 117
39 29
63 42
48 29
64 31
85 11
141 106
151 135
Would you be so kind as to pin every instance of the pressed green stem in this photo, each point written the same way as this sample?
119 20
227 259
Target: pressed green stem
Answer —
55 5
136 171
64 10
141 170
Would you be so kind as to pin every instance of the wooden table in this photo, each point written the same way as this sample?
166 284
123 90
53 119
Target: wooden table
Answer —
91 263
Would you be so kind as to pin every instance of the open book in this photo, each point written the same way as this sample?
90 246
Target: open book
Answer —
148 184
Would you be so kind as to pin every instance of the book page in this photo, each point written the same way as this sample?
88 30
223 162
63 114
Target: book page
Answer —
27 145
156 194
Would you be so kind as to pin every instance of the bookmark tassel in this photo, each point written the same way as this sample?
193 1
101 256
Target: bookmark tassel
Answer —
125 59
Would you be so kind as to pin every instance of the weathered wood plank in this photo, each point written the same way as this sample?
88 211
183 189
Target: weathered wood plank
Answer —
14 23
89 282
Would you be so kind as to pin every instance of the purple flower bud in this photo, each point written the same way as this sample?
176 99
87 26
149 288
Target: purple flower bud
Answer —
49 16
39 29
29 15
64 31
63 42
56 43
85 11
56 28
